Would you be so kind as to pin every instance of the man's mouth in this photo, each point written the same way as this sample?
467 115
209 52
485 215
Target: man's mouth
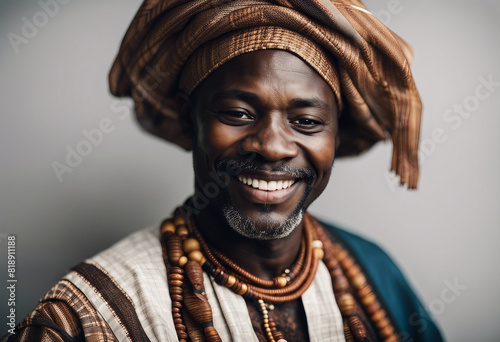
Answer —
261 184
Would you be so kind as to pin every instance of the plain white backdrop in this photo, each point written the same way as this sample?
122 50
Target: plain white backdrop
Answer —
53 95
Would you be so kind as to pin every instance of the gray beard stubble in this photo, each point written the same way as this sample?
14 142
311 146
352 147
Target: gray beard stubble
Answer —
270 230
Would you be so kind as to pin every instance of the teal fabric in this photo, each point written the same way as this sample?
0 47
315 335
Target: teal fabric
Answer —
405 310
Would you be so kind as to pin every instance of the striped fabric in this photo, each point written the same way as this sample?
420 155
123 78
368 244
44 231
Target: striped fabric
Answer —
64 314
122 295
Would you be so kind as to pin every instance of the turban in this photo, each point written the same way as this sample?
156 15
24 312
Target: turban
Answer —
171 46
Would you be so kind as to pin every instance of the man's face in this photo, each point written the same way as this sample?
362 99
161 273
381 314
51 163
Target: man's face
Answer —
269 121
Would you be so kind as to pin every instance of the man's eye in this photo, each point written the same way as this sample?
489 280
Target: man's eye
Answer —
306 122
237 115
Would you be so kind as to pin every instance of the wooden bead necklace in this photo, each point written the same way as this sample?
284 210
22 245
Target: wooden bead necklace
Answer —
187 255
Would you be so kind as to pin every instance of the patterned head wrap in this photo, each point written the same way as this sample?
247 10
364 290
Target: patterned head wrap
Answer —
172 45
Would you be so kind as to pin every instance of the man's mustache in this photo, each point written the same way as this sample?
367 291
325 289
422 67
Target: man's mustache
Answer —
235 167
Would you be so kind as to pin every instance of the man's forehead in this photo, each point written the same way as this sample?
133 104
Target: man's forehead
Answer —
250 97
251 76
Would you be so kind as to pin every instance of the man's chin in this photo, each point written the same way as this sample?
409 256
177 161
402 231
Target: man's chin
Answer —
265 227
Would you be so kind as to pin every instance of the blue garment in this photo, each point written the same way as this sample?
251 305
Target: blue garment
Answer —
409 317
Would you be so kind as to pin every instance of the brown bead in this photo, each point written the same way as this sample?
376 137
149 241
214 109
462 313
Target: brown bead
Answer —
378 315
167 228
384 322
177 321
198 307
358 281
371 309
175 276
176 315
369 299
195 255
392 338
347 304
190 245
182 335
182 261
174 282
230 281
212 335
176 297
178 218
280 282
195 331
176 310
340 284
337 272
348 333
174 247
175 290
180 327
347 263
278 336
224 279
353 271
318 253
195 274
243 289
218 275
341 255
357 328
331 263
176 304
182 230
237 286
386 332
175 269
364 291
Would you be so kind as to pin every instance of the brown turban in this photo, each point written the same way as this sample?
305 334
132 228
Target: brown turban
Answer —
172 45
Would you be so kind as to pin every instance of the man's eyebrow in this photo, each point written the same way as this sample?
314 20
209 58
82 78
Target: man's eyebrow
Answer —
312 102
253 98
236 94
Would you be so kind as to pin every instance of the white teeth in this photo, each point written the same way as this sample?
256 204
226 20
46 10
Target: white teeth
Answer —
264 185
279 185
271 186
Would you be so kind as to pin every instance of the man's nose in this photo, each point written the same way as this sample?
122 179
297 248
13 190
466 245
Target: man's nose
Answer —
272 139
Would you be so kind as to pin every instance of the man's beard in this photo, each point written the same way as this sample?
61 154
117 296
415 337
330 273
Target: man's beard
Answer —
265 228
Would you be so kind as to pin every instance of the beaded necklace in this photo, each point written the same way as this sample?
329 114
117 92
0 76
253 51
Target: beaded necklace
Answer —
187 256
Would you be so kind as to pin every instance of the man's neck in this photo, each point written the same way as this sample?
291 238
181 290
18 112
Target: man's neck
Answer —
263 258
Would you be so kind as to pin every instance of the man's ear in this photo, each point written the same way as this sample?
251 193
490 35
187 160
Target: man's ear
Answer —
185 120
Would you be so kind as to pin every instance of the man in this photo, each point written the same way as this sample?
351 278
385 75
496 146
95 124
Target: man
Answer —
266 94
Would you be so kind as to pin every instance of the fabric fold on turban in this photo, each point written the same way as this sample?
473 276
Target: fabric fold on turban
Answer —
172 45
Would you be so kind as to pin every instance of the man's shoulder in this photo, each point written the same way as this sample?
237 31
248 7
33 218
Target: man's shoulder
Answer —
131 262
364 250
138 246
129 280
390 285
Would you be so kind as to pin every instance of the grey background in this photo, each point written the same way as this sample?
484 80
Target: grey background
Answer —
55 87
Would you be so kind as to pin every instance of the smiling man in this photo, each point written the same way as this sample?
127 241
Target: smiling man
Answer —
278 110
267 94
